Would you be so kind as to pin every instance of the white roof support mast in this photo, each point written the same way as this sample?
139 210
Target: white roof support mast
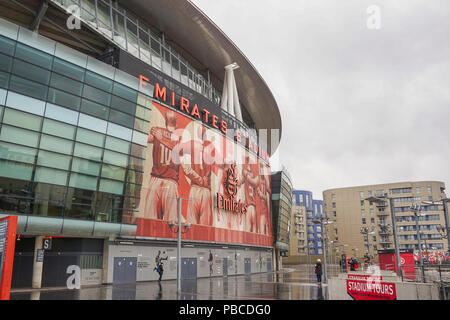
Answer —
230 98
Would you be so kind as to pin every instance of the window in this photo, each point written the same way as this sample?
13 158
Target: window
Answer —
364 220
22 119
363 211
33 56
27 87
98 81
361 194
31 72
362 203
66 84
96 95
90 137
85 166
61 114
372 220
87 152
121 118
53 160
7 46
56 144
123 105
19 136
369 193
418 189
333 204
10 169
82 181
68 69
58 129
371 211
429 189
50 176
117 145
334 213
63 99
94 109
17 153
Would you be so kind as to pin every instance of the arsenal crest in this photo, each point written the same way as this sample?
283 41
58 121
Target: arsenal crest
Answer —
231 182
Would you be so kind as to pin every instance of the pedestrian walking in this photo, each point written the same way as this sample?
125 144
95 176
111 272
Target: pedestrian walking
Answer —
160 270
318 271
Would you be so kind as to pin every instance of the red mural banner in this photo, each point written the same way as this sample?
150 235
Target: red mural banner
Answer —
371 290
8 229
227 188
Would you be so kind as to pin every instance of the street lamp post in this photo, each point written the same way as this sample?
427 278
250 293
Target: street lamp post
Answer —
320 221
445 232
415 208
186 227
383 199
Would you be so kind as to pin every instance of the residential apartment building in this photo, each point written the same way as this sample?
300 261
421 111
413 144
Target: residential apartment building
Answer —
351 211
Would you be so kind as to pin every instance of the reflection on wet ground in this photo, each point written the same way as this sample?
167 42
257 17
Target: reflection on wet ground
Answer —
292 283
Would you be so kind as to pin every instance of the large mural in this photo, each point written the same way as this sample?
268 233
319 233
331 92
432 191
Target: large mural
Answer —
225 189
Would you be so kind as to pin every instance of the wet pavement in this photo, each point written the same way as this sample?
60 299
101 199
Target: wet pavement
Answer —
291 283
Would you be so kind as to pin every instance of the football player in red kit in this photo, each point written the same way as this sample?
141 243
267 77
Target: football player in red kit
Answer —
263 191
251 176
161 198
197 164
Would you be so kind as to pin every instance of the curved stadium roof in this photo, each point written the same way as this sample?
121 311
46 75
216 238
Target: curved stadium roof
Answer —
186 25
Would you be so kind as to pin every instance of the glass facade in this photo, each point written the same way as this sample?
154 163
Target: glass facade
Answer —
134 35
72 140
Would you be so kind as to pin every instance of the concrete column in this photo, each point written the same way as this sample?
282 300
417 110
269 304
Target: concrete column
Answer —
106 266
37 266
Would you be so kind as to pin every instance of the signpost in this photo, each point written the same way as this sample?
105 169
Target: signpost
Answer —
371 290
8 227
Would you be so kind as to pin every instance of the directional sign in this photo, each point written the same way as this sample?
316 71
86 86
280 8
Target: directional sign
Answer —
368 290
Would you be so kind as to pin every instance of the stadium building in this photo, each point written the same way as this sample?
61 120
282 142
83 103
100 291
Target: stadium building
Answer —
111 114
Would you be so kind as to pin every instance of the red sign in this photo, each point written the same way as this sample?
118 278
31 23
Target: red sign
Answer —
371 290
8 239
364 277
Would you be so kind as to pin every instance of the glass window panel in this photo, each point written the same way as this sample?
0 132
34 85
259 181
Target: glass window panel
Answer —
83 182
96 95
142 113
50 176
33 56
113 172
117 145
92 123
5 63
66 84
98 81
63 99
49 199
56 144
140 138
136 164
115 158
121 118
141 125
85 166
138 151
27 87
134 177
24 103
17 153
20 136
4 79
87 152
22 119
53 160
125 92
32 72
94 109
103 13
132 190
123 105
15 170
80 203
58 129
67 69
7 46
61 114
109 207
90 137
111 186
119 131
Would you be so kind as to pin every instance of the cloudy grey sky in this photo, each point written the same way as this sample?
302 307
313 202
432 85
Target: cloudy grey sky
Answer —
358 106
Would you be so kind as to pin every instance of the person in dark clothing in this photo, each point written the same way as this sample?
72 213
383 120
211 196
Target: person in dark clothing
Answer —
318 271
160 270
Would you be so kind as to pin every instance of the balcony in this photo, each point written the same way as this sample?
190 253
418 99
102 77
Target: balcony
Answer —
385 241
384 233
